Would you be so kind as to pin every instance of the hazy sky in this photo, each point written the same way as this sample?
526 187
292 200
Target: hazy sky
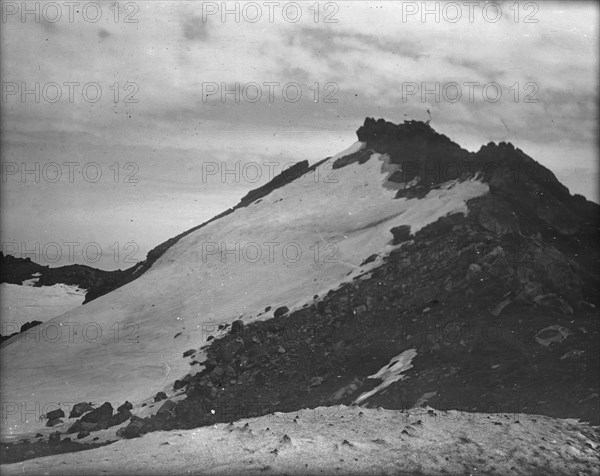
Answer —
161 132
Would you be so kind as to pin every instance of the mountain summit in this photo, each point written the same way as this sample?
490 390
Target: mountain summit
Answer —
400 271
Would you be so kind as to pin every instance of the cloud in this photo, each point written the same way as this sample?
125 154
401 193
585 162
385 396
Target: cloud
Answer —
365 62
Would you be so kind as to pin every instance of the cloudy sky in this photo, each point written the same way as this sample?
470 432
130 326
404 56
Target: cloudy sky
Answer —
137 114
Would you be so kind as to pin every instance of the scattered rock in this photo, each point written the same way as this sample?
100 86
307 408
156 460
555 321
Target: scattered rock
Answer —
160 396
237 327
281 311
126 406
182 382
98 419
101 414
136 428
166 408
54 414
54 422
401 233
54 438
79 409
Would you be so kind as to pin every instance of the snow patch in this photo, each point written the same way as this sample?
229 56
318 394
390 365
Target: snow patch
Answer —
20 304
390 373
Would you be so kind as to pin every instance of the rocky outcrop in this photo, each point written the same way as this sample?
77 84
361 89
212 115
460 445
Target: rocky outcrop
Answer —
102 418
16 270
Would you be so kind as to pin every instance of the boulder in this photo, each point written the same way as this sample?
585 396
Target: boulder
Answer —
166 408
160 396
54 414
89 426
281 311
54 422
126 406
237 327
401 233
54 438
136 428
123 413
182 382
101 414
80 408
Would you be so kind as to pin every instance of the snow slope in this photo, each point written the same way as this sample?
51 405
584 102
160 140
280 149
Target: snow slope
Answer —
21 304
300 240
346 440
